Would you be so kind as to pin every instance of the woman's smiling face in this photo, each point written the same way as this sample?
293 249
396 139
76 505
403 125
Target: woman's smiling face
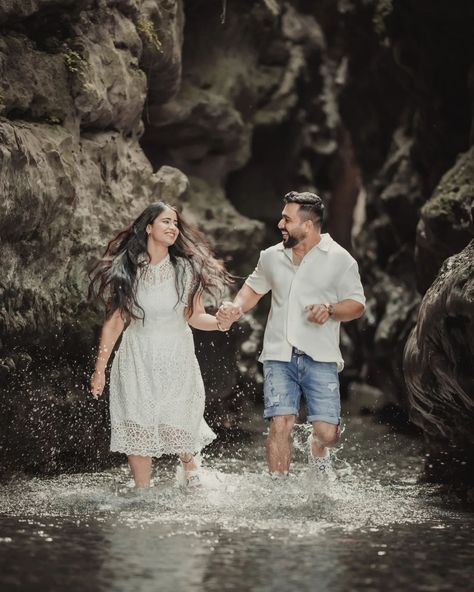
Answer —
164 229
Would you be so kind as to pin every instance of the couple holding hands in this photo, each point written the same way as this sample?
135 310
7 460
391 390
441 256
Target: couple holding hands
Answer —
152 279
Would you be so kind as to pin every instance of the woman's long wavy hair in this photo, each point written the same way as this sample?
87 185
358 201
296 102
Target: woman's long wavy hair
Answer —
114 279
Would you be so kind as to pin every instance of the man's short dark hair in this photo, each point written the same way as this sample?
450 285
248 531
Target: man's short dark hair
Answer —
311 205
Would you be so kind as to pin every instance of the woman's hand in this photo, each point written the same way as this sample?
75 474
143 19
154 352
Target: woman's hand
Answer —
222 326
97 384
227 314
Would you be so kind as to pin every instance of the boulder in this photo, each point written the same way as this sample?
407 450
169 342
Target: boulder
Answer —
439 371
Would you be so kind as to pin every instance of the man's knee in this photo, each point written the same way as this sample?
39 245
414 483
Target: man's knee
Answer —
281 426
326 434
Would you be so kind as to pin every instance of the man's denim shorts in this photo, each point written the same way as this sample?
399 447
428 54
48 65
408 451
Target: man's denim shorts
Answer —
317 381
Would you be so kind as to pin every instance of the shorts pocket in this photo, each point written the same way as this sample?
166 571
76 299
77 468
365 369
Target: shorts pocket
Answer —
270 393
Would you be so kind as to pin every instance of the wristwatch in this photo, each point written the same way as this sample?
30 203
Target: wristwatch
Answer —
330 309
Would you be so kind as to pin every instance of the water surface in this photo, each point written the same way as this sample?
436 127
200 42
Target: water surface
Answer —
376 528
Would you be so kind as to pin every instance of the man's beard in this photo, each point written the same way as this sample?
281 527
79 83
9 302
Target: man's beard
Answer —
291 241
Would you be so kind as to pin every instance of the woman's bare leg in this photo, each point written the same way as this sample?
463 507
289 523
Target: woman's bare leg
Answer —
141 470
187 462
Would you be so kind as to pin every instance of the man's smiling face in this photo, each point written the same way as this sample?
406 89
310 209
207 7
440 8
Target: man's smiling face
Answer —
291 226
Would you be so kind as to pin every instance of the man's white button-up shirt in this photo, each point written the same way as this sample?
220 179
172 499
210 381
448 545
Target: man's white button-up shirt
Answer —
327 273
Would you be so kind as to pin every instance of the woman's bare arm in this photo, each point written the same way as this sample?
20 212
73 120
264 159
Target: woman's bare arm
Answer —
200 319
111 330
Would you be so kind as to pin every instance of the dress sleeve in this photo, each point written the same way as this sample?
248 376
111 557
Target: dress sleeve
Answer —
350 286
258 280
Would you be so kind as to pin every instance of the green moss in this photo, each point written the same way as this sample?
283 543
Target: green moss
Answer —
147 28
383 9
75 63
452 200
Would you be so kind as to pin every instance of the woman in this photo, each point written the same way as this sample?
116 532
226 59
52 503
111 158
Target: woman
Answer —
152 277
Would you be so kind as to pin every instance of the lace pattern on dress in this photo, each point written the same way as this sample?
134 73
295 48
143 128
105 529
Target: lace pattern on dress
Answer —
132 438
152 275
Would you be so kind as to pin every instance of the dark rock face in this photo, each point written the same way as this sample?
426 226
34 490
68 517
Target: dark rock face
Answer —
418 197
439 370
446 222
385 248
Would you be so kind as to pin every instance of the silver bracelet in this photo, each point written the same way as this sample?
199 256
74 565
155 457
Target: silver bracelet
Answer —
219 326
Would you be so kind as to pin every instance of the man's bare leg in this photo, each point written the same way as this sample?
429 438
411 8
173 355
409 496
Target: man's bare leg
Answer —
325 435
278 444
141 470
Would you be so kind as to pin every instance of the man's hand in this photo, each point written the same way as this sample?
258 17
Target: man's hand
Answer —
318 313
227 314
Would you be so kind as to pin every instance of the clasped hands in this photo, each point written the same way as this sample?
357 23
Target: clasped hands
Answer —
227 314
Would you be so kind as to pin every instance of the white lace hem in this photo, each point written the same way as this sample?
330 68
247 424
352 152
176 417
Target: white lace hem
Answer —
131 438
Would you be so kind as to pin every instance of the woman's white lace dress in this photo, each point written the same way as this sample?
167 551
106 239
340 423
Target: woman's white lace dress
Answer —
156 389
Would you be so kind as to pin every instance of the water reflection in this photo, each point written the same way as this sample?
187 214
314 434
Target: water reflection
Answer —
376 527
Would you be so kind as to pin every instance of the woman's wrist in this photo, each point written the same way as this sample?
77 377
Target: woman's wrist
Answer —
219 326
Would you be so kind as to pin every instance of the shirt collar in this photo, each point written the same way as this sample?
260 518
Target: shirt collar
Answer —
323 245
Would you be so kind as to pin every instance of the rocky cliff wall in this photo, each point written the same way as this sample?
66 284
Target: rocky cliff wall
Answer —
75 79
419 211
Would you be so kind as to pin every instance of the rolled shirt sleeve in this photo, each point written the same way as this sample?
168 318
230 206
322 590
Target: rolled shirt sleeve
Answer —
350 286
257 280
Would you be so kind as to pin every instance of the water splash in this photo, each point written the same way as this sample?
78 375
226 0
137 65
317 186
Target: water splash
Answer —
234 494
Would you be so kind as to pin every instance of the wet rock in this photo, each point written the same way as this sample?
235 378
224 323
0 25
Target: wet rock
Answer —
385 248
234 236
380 335
160 26
20 9
33 84
446 222
108 86
172 184
439 371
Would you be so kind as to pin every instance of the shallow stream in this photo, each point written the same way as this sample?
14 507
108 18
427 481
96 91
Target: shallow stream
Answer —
378 527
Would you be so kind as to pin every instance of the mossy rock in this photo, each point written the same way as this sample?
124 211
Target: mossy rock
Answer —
446 223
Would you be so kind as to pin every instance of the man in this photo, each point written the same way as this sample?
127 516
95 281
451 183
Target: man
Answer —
315 286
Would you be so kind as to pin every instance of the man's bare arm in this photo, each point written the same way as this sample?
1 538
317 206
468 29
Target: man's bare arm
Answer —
246 299
344 311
